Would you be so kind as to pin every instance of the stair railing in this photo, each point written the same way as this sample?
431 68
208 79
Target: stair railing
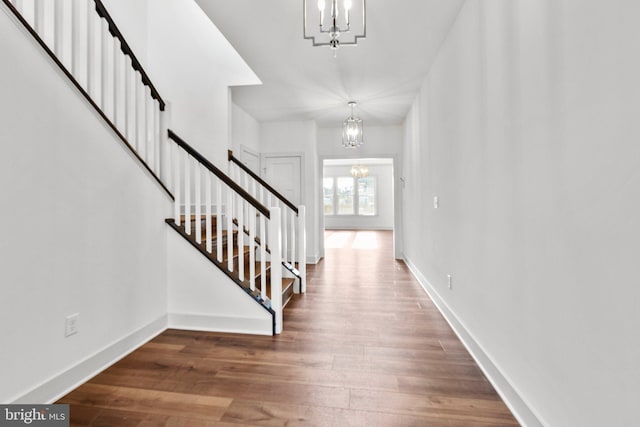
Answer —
87 46
84 41
294 245
202 192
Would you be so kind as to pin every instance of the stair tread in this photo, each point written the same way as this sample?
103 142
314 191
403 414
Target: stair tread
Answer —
260 296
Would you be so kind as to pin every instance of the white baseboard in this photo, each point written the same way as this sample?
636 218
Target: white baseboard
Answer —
228 324
505 389
61 384
313 259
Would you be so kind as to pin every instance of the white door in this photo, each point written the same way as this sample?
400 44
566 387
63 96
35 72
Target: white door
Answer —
283 174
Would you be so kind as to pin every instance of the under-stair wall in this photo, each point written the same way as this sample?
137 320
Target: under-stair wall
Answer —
82 231
194 304
86 195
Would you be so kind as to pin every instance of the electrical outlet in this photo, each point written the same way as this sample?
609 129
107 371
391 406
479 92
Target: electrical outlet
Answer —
449 280
71 325
436 202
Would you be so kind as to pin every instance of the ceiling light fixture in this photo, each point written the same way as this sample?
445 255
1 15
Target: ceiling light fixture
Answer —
352 129
324 23
359 171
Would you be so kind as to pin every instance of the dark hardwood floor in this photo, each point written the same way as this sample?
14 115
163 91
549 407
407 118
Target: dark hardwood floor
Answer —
364 347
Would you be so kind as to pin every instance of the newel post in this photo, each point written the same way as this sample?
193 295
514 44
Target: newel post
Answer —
275 245
302 247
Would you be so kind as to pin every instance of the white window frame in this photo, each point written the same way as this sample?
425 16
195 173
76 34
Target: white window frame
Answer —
356 197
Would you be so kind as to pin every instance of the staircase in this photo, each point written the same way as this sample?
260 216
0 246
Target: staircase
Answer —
240 224
252 284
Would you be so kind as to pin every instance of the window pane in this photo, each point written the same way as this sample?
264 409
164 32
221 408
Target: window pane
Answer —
367 196
344 188
327 183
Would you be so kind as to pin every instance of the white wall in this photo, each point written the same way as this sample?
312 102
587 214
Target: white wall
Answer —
191 64
202 297
379 141
383 219
527 130
245 131
299 137
83 231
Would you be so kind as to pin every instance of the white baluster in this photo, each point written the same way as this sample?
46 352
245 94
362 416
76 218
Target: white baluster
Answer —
284 231
58 27
176 183
240 238
117 83
48 17
207 189
263 255
198 190
229 214
187 194
137 115
262 200
292 234
155 106
106 75
219 220
142 117
302 248
82 48
38 17
75 40
165 120
243 185
245 205
129 101
148 127
252 247
25 8
93 54
66 56
275 234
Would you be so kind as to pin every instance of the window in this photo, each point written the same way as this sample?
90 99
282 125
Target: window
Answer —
367 196
345 195
344 189
327 184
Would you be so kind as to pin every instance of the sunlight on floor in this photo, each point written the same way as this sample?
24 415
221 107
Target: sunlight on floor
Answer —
337 240
361 240
365 240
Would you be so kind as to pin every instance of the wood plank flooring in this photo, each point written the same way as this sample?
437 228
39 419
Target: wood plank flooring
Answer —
364 347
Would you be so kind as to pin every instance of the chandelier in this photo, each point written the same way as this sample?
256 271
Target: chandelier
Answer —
359 171
328 20
352 130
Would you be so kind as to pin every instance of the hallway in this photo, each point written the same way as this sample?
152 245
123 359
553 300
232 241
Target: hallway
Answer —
364 346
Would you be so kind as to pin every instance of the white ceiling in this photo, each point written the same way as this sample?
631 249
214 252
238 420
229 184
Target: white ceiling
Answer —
301 82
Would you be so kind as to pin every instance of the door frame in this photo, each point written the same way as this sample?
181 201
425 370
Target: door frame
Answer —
300 155
398 186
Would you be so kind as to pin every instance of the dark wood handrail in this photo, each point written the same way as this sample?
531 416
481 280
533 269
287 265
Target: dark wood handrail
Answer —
84 93
262 182
126 49
221 175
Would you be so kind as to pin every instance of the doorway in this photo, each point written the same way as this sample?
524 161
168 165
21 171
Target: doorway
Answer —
358 194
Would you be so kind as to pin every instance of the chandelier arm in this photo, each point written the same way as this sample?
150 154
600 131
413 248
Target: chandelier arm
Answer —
333 29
